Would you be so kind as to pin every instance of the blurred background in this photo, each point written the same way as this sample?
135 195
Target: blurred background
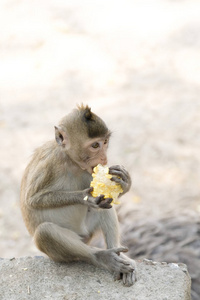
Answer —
137 64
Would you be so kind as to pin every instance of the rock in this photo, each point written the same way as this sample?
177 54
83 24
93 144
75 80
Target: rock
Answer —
36 278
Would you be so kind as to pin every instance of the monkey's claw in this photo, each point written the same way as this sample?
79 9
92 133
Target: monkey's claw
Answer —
121 176
128 279
103 202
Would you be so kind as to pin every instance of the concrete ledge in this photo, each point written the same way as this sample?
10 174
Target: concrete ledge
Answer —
38 278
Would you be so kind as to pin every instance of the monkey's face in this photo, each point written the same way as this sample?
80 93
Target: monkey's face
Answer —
91 153
84 136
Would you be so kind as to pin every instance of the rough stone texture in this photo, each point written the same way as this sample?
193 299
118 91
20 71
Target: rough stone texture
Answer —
40 278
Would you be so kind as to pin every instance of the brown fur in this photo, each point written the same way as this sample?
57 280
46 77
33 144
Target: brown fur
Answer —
53 189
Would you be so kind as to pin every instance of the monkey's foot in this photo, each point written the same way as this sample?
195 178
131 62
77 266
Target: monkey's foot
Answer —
115 262
127 278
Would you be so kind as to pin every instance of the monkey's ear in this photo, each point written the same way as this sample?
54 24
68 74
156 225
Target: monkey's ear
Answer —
61 137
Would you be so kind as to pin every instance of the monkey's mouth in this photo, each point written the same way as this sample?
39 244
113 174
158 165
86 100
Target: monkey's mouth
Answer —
93 168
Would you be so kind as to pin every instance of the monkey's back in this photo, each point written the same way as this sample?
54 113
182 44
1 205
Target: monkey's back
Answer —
48 171
36 175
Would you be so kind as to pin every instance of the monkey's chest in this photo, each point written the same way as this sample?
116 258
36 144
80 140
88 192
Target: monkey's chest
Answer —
74 182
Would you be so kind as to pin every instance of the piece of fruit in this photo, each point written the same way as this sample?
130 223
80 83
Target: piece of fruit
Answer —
102 185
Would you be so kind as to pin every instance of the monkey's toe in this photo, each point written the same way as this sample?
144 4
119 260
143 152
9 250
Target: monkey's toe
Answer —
129 278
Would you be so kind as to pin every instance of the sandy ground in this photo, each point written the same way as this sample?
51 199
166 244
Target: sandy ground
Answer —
136 63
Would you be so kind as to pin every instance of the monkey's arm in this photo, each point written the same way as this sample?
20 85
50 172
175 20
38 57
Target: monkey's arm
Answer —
123 177
52 199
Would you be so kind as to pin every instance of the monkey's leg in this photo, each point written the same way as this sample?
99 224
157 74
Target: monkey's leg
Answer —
108 219
62 244
110 227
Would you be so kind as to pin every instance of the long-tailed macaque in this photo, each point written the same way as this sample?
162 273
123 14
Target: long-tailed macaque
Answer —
53 189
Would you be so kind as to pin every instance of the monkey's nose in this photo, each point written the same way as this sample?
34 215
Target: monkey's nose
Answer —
104 161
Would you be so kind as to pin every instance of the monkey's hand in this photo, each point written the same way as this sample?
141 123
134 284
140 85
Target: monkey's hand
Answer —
118 264
121 176
128 278
96 202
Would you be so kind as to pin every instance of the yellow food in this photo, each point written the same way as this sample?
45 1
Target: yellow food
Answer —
102 185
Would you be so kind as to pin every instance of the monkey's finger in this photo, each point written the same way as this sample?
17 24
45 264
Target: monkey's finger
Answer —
119 171
119 174
120 249
90 189
129 278
134 275
124 266
99 199
123 261
108 200
106 206
102 199
116 167
126 269
106 203
118 180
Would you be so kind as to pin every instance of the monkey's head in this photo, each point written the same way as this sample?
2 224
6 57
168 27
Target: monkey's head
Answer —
84 136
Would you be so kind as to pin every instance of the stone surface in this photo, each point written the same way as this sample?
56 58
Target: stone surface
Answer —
40 278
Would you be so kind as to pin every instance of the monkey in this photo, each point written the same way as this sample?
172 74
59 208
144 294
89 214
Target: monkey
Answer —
54 187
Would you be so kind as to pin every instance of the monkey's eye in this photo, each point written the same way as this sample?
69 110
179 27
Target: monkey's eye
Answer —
61 137
95 145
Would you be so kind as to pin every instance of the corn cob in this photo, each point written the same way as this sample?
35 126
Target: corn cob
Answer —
102 185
